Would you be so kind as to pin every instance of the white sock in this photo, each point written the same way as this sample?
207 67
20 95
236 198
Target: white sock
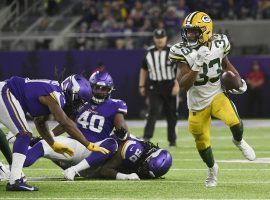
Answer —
16 167
81 166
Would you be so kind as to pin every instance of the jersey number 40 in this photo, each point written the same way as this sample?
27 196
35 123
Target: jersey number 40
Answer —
91 121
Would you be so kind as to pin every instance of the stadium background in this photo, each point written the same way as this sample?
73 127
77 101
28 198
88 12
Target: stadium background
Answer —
39 37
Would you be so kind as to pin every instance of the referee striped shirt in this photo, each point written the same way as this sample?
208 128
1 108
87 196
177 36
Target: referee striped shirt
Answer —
158 65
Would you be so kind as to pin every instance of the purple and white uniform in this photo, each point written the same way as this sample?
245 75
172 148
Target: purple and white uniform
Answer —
132 151
21 95
96 121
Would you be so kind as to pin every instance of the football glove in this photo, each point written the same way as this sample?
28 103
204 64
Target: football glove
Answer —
62 149
121 133
241 90
94 147
199 57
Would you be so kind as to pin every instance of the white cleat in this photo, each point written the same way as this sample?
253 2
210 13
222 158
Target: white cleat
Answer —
247 150
211 179
4 172
70 173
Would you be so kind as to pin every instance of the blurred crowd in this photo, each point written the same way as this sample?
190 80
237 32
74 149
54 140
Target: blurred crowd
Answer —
129 17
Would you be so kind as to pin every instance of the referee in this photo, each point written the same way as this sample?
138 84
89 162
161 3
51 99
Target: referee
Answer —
162 87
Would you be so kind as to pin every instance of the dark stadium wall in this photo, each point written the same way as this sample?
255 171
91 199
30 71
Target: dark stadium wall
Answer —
123 65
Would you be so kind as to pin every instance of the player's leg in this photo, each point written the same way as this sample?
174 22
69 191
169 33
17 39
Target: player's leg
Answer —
4 147
93 160
199 126
13 117
43 149
154 110
225 110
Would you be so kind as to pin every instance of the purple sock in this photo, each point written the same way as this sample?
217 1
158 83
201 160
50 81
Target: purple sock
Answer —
34 154
21 144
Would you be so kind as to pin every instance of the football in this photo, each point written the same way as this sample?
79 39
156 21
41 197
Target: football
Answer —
230 81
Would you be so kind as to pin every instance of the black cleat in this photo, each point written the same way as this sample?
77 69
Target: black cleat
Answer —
19 185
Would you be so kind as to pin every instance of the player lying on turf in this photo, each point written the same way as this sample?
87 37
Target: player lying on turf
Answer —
95 120
202 56
39 98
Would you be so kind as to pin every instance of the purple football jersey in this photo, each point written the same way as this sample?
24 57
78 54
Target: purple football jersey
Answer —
96 121
131 152
28 91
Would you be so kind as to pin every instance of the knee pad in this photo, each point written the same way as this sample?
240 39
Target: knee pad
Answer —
110 144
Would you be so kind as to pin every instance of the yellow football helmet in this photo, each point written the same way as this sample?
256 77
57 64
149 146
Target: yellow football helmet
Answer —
197 29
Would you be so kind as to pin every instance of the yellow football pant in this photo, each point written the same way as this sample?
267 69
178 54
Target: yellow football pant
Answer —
199 122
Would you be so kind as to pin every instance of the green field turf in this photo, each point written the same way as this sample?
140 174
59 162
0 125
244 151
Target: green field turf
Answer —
185 180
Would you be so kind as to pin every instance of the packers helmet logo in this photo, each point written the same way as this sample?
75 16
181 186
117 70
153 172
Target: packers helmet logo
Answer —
206 19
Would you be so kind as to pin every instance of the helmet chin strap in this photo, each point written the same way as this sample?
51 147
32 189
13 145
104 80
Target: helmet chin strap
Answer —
97 101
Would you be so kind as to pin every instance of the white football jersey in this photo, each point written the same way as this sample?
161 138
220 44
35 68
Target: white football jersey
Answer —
207 84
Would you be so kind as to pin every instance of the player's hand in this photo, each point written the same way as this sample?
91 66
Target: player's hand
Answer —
241 90
62 149
132 176
94 147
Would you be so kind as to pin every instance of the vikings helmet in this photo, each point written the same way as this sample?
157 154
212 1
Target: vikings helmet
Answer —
159 163
197 29
77 90
102 85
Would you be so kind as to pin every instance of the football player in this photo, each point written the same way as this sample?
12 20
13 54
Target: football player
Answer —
202 56
39 98
135 160
96 119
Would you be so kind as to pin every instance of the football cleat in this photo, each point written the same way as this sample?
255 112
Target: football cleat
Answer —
246 149
19 185
70 173
4 172
211 179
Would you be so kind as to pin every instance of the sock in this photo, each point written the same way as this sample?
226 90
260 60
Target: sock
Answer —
19 154
34 154
4 147
81 166
237 131
16 167
207 157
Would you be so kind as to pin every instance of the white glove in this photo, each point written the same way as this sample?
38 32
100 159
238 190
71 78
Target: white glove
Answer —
199 57
133 176
241 90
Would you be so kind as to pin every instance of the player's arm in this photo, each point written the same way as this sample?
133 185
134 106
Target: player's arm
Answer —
185 76
109 169
228 66
58 130
43 129
121 129
67 124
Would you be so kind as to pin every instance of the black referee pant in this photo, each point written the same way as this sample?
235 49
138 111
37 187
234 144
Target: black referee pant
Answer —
160 97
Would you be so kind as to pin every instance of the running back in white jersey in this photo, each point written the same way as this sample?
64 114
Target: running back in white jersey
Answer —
207 84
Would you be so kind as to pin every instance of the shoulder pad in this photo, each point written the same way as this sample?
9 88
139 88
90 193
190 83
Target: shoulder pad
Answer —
120 105
178 53
222 41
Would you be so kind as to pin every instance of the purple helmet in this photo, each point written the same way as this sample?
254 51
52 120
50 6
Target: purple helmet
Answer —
77 89
159 163
102 85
